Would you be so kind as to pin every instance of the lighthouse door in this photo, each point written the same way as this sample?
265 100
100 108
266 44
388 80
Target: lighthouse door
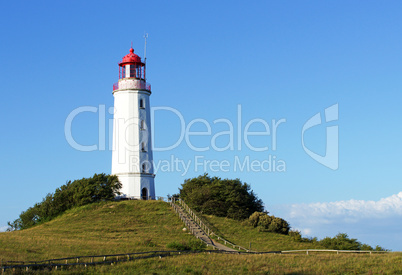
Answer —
144 194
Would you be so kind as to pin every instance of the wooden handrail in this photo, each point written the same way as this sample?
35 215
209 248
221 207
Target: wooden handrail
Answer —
206 228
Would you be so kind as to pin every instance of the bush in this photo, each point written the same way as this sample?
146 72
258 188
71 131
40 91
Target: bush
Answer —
193 245
177 246
265 222
220 197
366 247
296 235
255 218
100 187
343 242
279 225
379 248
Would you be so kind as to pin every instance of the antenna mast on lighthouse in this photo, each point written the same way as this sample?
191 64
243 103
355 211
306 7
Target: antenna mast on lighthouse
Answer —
145 54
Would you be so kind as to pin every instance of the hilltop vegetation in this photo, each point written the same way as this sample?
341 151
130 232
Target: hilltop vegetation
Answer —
98 228
220 197
211 197
85 191
133 226
245 234
122 227
215 198
128 226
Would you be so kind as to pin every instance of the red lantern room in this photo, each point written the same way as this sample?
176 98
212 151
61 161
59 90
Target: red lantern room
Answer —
131 66
131 73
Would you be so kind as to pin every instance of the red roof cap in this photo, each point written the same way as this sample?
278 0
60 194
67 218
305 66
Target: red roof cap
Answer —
131 58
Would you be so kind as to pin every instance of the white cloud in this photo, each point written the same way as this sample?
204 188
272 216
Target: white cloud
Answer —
350 210
306 231
372 222
3 228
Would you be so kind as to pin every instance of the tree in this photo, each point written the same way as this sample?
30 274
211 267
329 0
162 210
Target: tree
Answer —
100 187
220 197
341 242
265 222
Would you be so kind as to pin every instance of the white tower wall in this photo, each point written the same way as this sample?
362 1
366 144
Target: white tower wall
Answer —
132 159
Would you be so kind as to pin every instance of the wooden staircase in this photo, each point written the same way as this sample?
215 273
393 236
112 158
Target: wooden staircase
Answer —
197 227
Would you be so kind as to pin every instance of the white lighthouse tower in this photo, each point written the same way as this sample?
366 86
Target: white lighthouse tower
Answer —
132 159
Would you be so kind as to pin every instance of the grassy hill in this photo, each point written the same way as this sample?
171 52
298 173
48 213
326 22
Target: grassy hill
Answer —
127 226
134 226
241 233
100 228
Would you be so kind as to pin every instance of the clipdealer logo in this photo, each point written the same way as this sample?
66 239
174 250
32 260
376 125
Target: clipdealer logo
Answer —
235 132
331 157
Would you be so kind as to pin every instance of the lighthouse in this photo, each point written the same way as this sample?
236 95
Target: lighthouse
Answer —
132 160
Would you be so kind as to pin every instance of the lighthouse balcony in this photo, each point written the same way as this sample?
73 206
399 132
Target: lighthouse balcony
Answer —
131 84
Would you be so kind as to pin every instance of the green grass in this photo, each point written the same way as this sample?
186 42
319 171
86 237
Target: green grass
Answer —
136 226
255 264
241 233
102 228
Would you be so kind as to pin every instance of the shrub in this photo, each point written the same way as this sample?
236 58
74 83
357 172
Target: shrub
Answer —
220 197
100 187
379 248
296 235
178 246
341 242
265 222
193 245
279 225
255 218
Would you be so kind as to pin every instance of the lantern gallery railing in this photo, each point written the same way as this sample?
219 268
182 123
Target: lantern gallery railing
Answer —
133 84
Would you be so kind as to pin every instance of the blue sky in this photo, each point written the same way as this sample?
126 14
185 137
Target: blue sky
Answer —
275 59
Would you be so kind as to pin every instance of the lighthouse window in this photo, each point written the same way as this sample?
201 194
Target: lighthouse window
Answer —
142 103
144 168
139 72
142 124
132 71
143 147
